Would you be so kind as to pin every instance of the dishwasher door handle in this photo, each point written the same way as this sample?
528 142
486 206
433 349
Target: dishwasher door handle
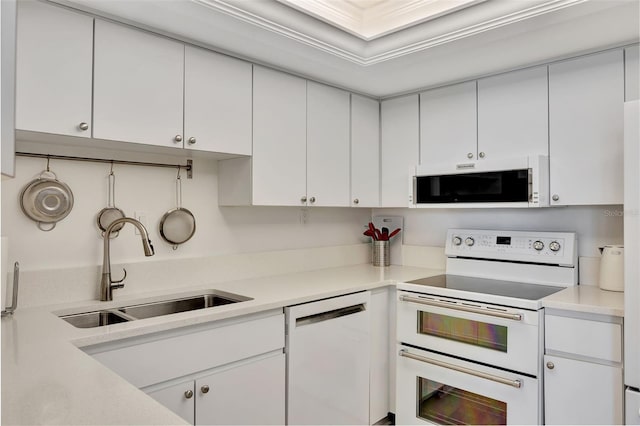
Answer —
329 315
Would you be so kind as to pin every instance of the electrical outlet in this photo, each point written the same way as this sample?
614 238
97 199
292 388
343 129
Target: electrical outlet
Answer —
304 215
142 218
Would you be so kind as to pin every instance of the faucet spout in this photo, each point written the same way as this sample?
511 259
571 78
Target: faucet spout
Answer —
107 285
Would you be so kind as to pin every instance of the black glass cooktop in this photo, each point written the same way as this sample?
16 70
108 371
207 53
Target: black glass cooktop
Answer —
513 289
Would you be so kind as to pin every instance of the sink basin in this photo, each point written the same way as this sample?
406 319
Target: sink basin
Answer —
204 300
95 319
167 307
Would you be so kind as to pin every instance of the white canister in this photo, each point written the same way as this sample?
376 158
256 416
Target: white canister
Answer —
612 268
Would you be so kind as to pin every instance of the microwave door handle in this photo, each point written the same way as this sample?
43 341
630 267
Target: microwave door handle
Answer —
515 383
421 301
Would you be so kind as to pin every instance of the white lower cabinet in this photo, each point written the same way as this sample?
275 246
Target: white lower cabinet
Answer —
249 393
583 382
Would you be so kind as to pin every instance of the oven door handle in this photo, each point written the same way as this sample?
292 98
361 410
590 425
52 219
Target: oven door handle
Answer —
515 383
428 302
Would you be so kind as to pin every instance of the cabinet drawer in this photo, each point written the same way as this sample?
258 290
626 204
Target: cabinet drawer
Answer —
588 338
197 349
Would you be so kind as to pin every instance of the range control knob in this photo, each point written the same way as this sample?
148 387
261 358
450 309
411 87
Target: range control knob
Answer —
469 241
554 246
457 241
538 245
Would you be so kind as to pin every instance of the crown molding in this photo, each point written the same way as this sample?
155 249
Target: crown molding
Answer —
284 26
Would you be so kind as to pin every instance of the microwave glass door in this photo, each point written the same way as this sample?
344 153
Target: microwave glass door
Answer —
447 405
486 187
477 333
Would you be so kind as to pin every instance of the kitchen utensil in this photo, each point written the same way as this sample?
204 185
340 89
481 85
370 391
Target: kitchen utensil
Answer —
178 225
385 234
612 268
394 233
109 214
46 200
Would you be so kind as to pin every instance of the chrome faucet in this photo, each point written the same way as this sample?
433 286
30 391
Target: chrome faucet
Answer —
106 284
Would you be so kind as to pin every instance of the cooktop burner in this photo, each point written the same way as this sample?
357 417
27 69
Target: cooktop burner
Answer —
489 286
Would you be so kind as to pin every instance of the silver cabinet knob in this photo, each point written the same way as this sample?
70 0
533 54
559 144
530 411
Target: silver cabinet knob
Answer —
356 201
188 394
550 365
555 197
192 140
303 199
178 138
470 155
204 389
83 126
481 155
312 199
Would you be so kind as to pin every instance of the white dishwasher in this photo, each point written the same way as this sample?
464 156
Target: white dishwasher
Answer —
328 361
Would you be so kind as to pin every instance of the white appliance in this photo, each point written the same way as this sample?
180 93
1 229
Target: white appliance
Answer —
612 268
512 182
470 343
631 264
328 361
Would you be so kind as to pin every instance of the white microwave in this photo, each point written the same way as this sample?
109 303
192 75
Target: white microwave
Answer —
512 182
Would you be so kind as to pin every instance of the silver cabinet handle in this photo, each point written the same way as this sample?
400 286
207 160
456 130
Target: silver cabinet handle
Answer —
470 155
204 389
481 155
555 197
188 394
498 379
192 140
312 199
550 365
428 302
303 199
83 126
356 201
178 138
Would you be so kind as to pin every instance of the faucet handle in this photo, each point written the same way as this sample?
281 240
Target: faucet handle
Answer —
118 282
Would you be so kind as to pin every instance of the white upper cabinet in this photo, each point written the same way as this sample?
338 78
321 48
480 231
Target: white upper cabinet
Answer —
54 70
448 124
631 73
138 86
217 102
586 98
513 114
327 146
8 18
279 139
399 149
365 152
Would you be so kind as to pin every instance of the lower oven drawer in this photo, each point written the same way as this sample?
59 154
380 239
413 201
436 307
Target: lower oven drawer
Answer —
506 337
436 389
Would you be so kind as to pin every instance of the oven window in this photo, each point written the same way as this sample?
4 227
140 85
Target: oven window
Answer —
475 333
446 405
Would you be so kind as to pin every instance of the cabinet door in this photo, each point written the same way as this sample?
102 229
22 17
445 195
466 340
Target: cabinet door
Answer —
586 98
217 102
631 73
327 146
54 68
579 392
179 398
252 393
448 124
399 149
513 114
365 152
7 85
279 139
138 82
379 373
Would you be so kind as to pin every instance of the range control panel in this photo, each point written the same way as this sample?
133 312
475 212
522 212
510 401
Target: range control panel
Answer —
558 248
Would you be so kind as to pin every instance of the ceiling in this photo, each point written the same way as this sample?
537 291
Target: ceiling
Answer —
475 38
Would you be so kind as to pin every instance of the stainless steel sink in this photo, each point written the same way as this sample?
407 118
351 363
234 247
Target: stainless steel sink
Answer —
204 300
167 307
95 319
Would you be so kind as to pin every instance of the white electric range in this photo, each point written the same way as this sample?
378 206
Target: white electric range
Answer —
470 343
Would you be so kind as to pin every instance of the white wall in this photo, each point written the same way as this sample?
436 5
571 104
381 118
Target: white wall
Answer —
595 225
76 241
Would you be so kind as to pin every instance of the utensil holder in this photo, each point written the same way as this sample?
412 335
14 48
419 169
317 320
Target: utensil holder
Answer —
380 253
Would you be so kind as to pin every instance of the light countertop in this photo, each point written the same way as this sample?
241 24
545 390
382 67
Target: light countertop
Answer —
588 299
46 379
